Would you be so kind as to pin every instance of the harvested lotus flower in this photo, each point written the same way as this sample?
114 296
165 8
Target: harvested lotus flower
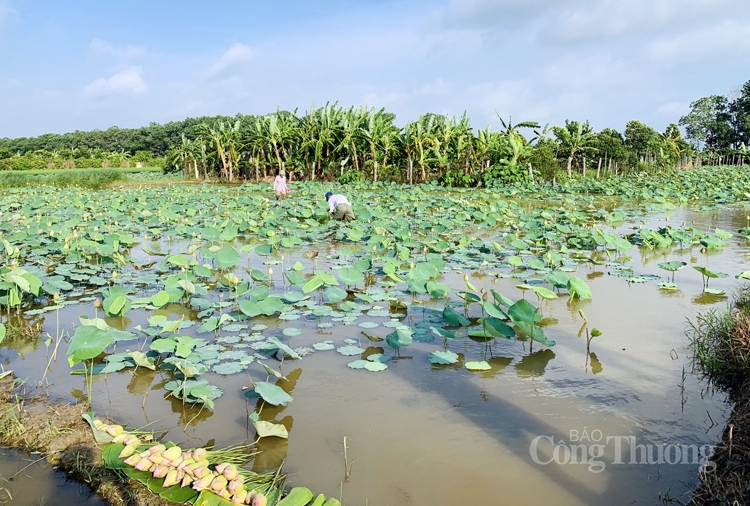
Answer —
220 468
204 482
132 460
260 500
172 453
224 493
235 485
119 439
160 471
114 430
240 496
143 465
202 472
171 478
157 459
199 454
219 483
185 463
187 480
131 440
230 473
157 449
126 452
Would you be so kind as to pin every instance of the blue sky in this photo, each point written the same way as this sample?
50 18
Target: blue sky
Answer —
81 65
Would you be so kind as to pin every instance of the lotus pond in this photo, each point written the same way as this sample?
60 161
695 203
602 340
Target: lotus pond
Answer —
436 337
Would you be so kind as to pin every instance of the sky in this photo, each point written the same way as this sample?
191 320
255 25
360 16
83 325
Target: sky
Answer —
87 64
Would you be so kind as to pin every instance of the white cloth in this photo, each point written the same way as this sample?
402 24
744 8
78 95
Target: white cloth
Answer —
335 200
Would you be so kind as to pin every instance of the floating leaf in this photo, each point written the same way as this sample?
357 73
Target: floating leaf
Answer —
349 351
478 366
357 364
443 357
268 429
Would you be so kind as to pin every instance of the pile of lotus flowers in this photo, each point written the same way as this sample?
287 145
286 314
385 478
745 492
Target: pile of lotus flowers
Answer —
184 468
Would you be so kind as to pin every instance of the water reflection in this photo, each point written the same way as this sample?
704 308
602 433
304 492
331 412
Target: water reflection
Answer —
534 364
498 365
705 299
274 449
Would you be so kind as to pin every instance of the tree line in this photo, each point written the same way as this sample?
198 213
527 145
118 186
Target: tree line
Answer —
357 143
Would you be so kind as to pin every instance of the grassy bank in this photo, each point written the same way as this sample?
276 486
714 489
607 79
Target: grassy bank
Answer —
61 436
124 170
92 179
720 342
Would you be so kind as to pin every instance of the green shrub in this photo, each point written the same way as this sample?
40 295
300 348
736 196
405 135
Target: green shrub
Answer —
93 179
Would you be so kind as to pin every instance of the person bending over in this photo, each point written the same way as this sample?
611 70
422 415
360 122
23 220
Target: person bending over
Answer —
340 207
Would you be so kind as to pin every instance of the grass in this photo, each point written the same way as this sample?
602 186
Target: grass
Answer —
124 170
92 179
58 433
720 342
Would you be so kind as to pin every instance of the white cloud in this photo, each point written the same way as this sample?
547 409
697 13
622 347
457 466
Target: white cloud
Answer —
238 53
724 41
127 82
100 48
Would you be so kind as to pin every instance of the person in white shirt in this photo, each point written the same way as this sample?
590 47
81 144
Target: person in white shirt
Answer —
340 207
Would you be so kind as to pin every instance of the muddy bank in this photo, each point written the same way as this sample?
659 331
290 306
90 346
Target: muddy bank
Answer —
59 433
721 343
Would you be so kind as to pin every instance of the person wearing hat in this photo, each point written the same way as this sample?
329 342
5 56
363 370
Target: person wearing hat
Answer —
279 184
340 207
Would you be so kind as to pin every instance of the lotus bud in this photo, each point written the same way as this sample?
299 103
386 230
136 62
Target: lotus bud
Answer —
114 274
119 439
132 441
224 493
126 452
235 485
220 468
203 483
157 449
172 453
171 479
98 423
230 473
466 277
143 465
132 460
199 454
160 471
270 271
187 480
219 483
114 430
250 496
260 500
97 303
202 472
157 459
240 496
182 466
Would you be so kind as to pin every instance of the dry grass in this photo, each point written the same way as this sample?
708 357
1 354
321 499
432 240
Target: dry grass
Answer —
60 434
